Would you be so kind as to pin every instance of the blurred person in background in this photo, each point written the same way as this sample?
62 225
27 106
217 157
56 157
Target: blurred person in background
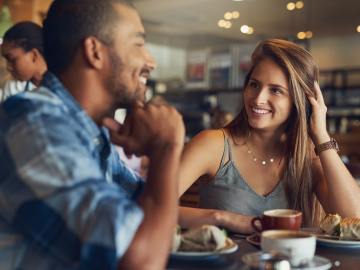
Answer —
23 50
67 202
265 159
221 118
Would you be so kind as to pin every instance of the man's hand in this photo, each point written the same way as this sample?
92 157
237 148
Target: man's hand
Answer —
159 133
146 129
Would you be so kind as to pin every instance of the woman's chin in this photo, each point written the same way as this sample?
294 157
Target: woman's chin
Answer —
257 124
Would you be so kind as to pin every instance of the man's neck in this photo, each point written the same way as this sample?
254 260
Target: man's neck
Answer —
88 91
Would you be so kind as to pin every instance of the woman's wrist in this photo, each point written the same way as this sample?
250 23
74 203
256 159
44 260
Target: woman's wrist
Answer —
321 139
219 218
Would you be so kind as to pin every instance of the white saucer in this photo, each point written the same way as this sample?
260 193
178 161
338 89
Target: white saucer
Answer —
318 263
334 243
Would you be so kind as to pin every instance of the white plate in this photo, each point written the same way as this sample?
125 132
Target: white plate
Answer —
332 242
318 263
202 255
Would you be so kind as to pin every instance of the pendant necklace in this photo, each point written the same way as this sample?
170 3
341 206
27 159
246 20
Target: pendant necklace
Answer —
254 158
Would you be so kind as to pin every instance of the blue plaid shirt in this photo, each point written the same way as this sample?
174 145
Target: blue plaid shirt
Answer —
66 200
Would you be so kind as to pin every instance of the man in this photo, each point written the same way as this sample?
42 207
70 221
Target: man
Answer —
66 201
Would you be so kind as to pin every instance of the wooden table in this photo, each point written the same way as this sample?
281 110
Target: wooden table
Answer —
342 259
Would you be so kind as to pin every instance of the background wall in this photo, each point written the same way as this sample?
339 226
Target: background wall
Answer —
171 61
336 52
27 10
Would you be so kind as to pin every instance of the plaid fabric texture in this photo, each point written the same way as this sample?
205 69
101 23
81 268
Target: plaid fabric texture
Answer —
66 200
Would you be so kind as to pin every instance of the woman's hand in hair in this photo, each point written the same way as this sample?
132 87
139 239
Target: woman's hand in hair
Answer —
317 127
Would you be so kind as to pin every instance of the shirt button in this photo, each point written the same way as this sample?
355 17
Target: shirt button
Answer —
96 141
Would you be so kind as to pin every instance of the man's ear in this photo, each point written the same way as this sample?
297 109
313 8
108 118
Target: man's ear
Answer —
93 52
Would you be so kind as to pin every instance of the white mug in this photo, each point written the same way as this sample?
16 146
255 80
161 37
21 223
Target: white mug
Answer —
298 246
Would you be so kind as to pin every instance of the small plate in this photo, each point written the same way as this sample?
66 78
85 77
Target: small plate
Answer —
254 240
318 263
331 242
203 255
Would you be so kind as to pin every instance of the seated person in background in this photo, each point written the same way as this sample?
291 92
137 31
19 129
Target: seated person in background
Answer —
264 159
23 50
221 118
67 202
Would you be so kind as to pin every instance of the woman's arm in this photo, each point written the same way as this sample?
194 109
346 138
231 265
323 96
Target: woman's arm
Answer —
202 157
190 217
337 189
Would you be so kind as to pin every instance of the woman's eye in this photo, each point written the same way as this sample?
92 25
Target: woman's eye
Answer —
254 85
277 91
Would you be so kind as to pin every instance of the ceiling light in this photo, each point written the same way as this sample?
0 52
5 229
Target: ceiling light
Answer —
228 24
290 6
221 23
301 35
244 29
299 5
235 14
358 29
309 34
228 15
251 30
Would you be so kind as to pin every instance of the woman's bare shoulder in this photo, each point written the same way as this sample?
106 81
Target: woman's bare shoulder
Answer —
209 140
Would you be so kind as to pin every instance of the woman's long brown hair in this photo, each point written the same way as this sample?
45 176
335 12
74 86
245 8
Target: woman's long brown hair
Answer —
302 72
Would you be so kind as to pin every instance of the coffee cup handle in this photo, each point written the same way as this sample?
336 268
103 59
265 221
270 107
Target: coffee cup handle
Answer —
253 224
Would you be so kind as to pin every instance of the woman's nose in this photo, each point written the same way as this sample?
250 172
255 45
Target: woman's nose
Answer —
261 97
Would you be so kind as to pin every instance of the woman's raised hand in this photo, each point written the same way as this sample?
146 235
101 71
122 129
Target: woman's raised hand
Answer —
317 129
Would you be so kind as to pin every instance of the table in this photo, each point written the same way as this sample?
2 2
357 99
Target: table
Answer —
342 259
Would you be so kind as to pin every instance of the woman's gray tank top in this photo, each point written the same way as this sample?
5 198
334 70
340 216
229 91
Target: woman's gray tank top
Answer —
229 191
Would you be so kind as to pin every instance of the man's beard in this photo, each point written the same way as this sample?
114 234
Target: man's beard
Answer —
122 96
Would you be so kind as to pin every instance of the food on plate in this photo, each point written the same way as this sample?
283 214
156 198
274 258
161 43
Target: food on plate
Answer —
202 238
330 224
350 227
346 227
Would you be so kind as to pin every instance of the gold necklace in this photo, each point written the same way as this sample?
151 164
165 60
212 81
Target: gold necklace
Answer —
254 158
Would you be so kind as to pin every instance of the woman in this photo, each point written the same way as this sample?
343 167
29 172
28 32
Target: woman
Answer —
24 53
271 145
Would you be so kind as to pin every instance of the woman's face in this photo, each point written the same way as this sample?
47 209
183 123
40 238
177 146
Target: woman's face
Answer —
19 63
267 96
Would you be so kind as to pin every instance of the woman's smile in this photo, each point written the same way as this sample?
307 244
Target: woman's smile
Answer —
258 112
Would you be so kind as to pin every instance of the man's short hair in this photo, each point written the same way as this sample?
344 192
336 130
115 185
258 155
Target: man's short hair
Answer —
70 22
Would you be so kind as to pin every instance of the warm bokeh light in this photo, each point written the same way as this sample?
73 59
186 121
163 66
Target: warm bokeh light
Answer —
309 34
301 35
299 5
251 30
228 24
358 29
221 23
244 29
228 16
235 14
290 6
